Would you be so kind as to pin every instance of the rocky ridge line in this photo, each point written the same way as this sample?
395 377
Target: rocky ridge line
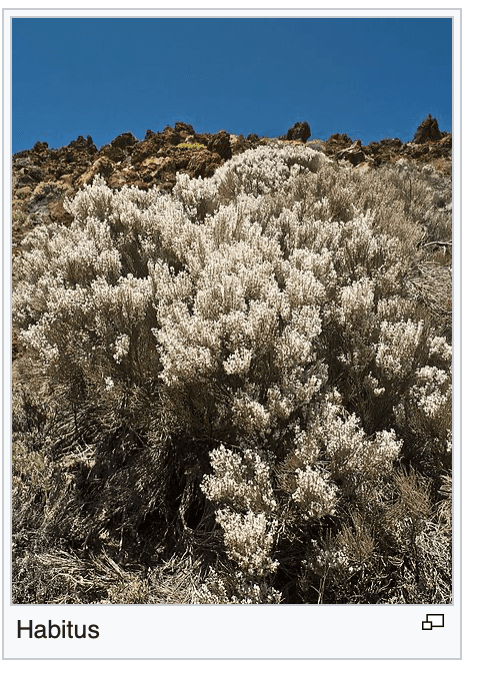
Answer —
42 177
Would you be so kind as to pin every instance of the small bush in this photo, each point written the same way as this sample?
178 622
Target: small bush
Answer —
190 145
247 368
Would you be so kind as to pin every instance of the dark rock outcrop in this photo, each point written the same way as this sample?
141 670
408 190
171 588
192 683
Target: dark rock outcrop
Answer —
336 143
184 130
220 144
124 140
354 154
299 132
427 131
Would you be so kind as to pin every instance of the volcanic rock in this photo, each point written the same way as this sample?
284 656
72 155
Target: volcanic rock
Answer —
203 163
170 136
353 154
81 143
336 143
239 143
299 132
40 146
184 130
124 140
427 131
102 166
220 143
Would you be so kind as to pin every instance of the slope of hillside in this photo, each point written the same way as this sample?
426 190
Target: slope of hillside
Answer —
232 381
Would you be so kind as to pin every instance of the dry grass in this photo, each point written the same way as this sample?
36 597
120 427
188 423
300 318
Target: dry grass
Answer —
61 577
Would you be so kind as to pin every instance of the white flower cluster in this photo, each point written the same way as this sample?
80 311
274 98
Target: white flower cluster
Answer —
109 383
249 538
262 170
315 495
250 415
432 393
431 397
249 592
397 346
241 481
121 347
322 559
372 385
356 304
238 362
214 591
198 196
350 452
439 348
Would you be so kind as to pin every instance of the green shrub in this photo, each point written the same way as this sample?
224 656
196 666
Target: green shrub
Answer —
249 367
190 145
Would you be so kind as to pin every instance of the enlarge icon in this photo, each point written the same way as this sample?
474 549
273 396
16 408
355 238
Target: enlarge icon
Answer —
434 620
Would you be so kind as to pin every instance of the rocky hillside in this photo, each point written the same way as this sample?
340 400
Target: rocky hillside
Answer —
239 391
42 177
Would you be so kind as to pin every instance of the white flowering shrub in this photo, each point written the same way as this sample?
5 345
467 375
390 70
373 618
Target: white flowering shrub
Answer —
235 589
249 539
357 460
314 494
242 481
250 356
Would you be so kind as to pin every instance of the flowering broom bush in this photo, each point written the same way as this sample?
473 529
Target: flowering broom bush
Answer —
253 370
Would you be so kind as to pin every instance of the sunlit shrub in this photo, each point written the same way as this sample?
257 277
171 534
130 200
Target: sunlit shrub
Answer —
256 338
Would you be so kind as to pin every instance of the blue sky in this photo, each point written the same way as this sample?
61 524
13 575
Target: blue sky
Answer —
369 78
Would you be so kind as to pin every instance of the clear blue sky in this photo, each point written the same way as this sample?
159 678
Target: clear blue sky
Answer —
370 78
